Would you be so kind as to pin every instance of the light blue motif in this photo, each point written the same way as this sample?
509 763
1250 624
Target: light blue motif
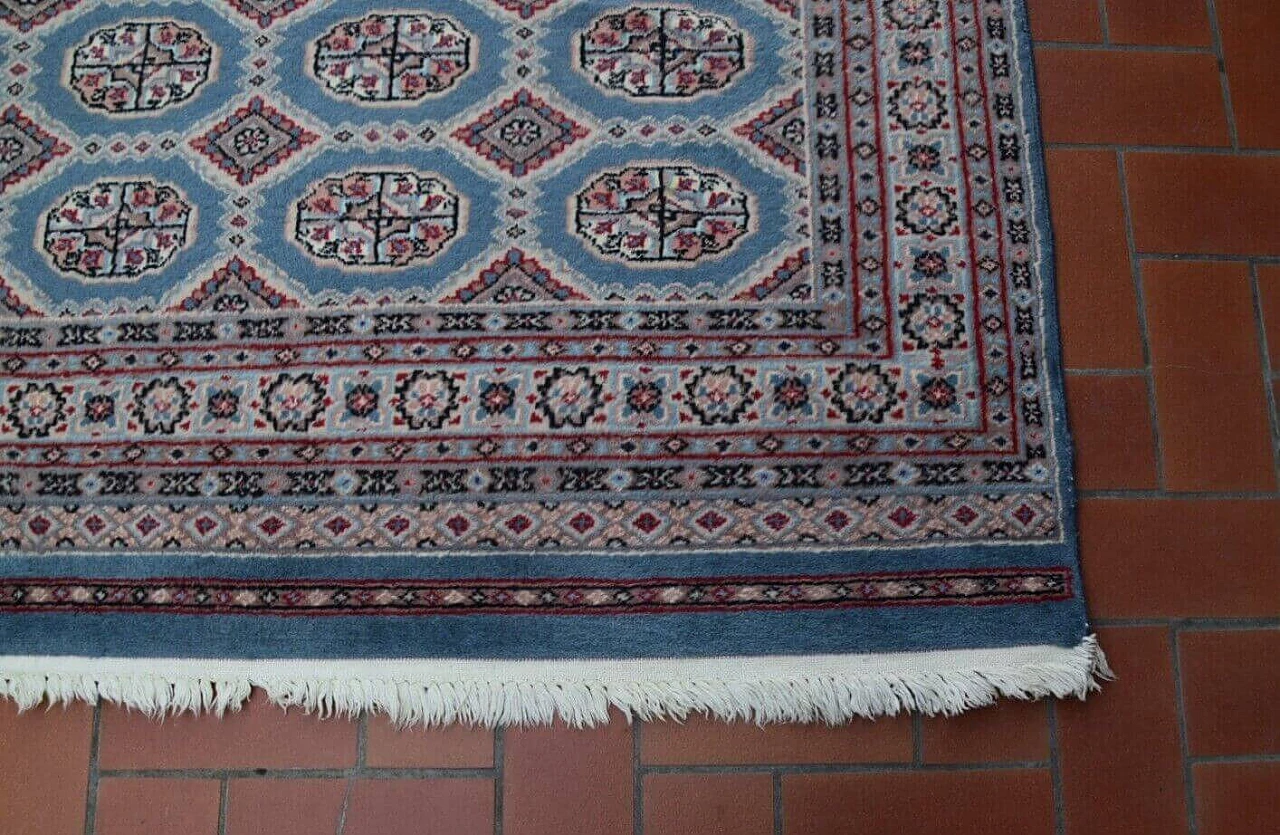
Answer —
488 41
26 252
771 226
65 105
276 228
763 71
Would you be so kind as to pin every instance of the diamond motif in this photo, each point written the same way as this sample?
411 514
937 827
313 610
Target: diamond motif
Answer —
263 12
25 147
26 15
526 8
252 141
521 134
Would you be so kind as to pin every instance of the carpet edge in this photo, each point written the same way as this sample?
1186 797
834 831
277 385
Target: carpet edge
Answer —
765 689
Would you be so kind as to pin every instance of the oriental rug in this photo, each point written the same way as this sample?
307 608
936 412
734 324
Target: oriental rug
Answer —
493 360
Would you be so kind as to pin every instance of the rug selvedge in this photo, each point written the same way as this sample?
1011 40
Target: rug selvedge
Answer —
565 278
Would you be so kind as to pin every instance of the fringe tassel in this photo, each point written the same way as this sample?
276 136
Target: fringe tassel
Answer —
831 689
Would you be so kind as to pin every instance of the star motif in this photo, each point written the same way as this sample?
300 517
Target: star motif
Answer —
521 134
252 140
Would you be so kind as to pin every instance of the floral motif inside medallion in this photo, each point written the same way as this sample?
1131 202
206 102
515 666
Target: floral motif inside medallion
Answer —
426 399
117 230
140 67
662 52
36 410
719 395
392 57
521 133
377 218
252 140
569 397
864 392
662 213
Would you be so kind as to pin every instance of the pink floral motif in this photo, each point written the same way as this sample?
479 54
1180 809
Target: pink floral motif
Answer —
662 52
116 230
662 213
392 57
141 67
377 218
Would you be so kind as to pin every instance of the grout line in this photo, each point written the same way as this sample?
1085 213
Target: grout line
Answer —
846 768
1104 22
1234 759
1135 271
362 742
917 738
1181 150
1264 350
91 790
1085 46
778 825
362 749
1188 784
637 782
1216 32
1185 495
499 755
1055 772
347 791
301 773
1205 624
1105 372
224 804
1208 256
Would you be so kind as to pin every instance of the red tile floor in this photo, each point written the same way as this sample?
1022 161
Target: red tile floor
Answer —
1164 165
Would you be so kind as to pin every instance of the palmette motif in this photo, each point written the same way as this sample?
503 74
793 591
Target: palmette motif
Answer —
279 276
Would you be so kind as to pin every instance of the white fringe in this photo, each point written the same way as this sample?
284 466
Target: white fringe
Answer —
827 688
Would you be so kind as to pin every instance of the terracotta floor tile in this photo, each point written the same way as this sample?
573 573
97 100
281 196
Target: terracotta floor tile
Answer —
1097 304
1012 802
555 779
1065 20
1238 798
452 806
1229 682
700 740
1148 98
449 747
284 807
261 735
1204 203
44 769
1009 731
1120 757
1249 30
1146 558
1208 376
1269 291
1168 23
1111 429
708 804
155 806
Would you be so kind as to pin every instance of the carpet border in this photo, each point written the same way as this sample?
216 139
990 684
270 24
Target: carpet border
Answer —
432 692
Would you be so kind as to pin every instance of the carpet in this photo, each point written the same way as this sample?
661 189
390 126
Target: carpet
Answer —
497 360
